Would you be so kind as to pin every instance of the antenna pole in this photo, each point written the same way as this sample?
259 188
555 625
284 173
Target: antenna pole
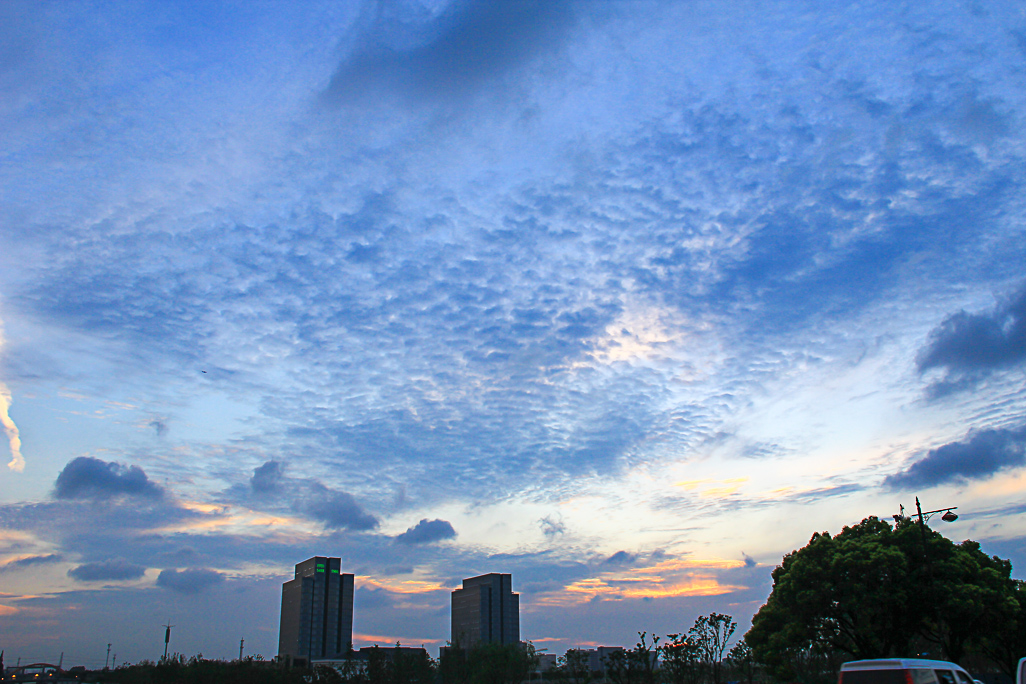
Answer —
107 661
241 642
167 636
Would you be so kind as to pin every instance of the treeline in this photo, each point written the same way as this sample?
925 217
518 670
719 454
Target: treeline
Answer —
698 657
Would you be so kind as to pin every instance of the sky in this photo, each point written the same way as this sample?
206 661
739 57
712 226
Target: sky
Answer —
627 299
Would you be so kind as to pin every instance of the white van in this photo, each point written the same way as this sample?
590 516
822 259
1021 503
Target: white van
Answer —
903 671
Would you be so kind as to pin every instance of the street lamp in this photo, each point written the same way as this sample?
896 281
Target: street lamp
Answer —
924 517
949 516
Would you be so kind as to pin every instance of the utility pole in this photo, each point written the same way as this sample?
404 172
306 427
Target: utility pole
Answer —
167 636
115 665
107 661
241 642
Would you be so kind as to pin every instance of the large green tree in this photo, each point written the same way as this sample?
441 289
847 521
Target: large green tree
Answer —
875 589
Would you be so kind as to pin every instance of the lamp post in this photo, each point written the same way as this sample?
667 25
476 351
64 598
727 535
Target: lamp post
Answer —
924 516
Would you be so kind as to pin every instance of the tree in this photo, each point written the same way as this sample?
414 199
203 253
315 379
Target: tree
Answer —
711 633
633 666
453 666
1005 647
377 666
872 591
643 659
681 659
491 663
742 661
573 667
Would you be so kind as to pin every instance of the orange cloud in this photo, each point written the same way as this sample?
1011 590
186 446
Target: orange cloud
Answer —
8 610
391 640
666 579
713 488
401 586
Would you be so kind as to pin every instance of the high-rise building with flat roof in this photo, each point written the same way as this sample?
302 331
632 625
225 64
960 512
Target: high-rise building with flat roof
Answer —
486 610
316 611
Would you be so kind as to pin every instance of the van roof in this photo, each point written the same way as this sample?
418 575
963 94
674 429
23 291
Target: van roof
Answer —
898 664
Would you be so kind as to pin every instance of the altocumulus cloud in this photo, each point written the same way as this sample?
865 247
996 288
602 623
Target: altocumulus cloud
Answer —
114 569
189 581
89 478
983 454
970 346
427 531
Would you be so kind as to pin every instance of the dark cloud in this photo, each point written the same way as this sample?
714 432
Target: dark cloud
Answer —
88 478
270 487
473 41
336 510
159 426
621 558
109 570
970 346
427 531
31 561
373 598
267 478
189 581
983 454
749 561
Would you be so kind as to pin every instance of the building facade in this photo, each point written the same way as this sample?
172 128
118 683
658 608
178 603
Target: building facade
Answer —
316 611
485 610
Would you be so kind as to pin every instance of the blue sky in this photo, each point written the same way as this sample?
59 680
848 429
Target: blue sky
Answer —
627 299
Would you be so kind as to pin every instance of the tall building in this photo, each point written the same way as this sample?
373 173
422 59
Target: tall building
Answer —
316 611
486 610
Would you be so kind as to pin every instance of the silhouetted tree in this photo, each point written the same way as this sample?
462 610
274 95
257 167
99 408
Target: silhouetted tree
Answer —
633 666
1006 645
711 633
453 666
874 591
681 659
742 661
492 663
573 667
